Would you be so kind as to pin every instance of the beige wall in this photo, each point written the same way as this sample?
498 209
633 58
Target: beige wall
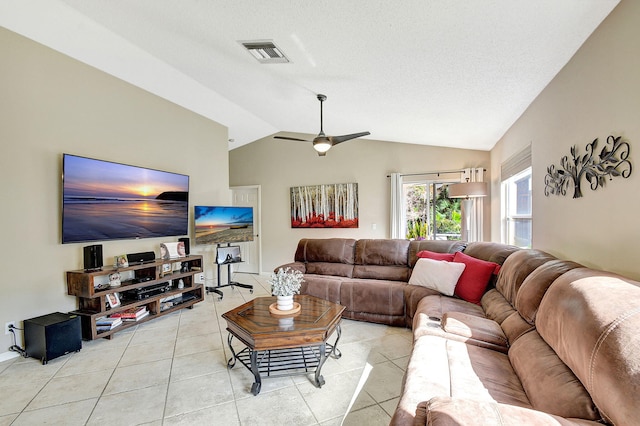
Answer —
277 165
597 94
50 105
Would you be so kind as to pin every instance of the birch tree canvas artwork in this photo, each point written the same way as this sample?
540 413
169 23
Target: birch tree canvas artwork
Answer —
325 206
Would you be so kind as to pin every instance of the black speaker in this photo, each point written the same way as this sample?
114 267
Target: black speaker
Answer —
53 335
93 257
185 240
143 257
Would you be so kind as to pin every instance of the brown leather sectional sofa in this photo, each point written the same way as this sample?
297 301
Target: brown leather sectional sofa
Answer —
551 342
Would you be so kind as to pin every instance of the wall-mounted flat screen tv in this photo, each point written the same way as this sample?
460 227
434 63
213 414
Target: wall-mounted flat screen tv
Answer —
103 201
223 224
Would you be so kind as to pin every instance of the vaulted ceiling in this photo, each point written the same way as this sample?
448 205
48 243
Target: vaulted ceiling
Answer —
452 73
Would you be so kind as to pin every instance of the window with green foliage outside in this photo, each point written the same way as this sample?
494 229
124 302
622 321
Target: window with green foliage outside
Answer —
430 213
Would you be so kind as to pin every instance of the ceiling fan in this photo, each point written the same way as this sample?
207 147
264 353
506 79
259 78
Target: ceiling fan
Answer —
322 143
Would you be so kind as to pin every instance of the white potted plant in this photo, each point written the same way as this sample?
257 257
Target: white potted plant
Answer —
284 284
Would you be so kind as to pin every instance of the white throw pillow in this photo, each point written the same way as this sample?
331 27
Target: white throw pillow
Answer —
439 275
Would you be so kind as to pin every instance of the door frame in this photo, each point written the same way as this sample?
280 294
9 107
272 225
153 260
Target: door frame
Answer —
256 217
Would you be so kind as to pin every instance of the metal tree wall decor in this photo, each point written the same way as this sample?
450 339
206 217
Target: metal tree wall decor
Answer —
612 161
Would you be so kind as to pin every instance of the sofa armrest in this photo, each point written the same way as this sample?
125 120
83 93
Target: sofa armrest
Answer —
475 329
296 266
446 411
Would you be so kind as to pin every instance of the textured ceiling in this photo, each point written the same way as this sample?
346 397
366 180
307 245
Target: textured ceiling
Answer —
452 73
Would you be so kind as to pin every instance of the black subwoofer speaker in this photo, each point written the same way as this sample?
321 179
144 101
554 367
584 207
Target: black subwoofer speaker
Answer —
93 257
186 245
53 335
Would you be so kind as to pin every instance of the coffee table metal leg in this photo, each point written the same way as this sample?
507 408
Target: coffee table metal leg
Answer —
255 388
232 361
335 352
323 358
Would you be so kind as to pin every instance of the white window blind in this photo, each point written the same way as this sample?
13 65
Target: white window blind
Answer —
516 163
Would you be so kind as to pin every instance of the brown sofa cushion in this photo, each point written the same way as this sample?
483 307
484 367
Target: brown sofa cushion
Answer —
296 266
381 259
491 252
474 328
549 383
496 306
330 268
413 294
591 319
373 296
336 250
536 285
444 367
393 273
515 326
516 269
327 288
387 252
447 411
430 326
436 306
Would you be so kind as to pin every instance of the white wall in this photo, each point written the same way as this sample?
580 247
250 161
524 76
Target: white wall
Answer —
277 165
50 105
597 94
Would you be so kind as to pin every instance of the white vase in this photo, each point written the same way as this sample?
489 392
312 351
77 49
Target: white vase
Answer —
285 303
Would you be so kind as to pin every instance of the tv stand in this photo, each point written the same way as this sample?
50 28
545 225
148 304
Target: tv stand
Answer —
229 283
154 285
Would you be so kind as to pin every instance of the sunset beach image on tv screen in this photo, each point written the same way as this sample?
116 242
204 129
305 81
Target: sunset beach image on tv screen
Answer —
103 200
223 224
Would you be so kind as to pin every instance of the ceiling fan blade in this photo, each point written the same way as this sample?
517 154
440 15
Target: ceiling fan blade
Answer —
337 139
291 139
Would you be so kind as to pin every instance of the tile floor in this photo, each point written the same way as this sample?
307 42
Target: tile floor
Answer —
172 371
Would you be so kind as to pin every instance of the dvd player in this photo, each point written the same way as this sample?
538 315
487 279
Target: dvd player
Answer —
146 292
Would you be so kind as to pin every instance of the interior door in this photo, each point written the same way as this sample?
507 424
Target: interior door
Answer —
249 196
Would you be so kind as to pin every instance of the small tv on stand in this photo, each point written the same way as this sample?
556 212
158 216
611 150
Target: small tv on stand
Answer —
223 224
228 254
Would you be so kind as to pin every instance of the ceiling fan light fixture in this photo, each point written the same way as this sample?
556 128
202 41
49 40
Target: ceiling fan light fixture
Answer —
322 145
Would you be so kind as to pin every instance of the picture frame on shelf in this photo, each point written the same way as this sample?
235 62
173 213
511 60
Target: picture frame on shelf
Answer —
166 269
122 261
113 300
173 250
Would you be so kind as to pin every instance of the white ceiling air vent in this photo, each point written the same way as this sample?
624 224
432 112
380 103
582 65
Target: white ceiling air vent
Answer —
266 52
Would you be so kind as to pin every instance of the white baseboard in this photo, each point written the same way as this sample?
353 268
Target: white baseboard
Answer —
6 356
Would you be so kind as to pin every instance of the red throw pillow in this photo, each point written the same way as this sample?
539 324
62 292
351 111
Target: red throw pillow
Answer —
435 256
474 278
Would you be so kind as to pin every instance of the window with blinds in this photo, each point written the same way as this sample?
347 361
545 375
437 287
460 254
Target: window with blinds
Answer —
515 175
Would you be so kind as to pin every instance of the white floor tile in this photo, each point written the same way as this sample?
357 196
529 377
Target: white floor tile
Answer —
173 371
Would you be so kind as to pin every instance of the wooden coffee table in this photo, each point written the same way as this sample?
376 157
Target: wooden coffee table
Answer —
277 345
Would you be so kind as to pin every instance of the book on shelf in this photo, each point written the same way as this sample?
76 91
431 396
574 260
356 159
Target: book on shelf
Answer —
132 313
103 328
108 320
137 318
107 323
